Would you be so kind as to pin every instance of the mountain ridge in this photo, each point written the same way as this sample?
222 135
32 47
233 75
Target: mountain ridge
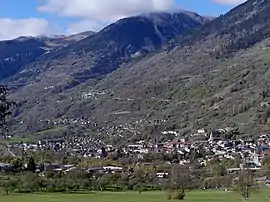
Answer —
17 53
193 85
117 43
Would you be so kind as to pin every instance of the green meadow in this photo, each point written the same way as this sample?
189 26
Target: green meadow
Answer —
194 196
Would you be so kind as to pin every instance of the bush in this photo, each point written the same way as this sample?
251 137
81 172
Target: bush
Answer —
140 188
169 197
179 195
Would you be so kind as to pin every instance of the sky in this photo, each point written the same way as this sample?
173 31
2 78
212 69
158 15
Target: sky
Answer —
54 17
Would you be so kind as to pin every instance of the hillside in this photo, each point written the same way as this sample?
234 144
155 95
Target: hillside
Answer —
214 76
102 53
18 53
15 54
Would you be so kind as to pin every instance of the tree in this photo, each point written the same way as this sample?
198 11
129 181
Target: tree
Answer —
104 153
140 188
17 163
64 160
9 185
178 182
31 165
48 157
266 164
5 108
74 160
219 170
31 182
245 184
102 183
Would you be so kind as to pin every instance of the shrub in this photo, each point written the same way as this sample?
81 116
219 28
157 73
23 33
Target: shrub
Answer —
179 195
169 197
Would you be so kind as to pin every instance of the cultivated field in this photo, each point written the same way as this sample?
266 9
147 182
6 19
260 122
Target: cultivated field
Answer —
198 196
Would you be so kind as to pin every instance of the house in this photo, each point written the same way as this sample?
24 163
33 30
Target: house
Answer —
162 175
4 167
112 169
104 169
94 170
50 166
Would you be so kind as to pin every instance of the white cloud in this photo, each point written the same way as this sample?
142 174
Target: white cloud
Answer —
13 28
230 2
92 15
104 10
95 14
85 25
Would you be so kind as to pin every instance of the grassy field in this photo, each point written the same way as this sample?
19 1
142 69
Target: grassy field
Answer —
16 140
198 196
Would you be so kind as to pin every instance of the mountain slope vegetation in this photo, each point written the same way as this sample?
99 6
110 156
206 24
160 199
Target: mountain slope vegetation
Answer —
215 75
18 53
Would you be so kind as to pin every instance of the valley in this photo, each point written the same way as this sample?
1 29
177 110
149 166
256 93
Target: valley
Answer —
163 101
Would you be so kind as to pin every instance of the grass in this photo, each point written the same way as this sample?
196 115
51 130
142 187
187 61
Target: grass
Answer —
244 117
56 129
17 140
195 196
47 133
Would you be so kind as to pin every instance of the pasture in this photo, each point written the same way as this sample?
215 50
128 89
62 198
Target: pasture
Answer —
194 196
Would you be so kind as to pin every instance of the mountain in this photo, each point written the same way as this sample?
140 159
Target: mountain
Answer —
241 28
79 36
15 54
215 76
92 58
103 52
128 38
212 75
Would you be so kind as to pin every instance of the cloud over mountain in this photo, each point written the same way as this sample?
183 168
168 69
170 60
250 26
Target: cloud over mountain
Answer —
84 25
230 2
24 27
104 10
94 14
86 15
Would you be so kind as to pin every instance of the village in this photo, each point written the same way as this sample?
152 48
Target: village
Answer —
206 147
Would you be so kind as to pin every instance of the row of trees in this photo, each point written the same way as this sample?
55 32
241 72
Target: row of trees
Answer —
180 179
79 180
